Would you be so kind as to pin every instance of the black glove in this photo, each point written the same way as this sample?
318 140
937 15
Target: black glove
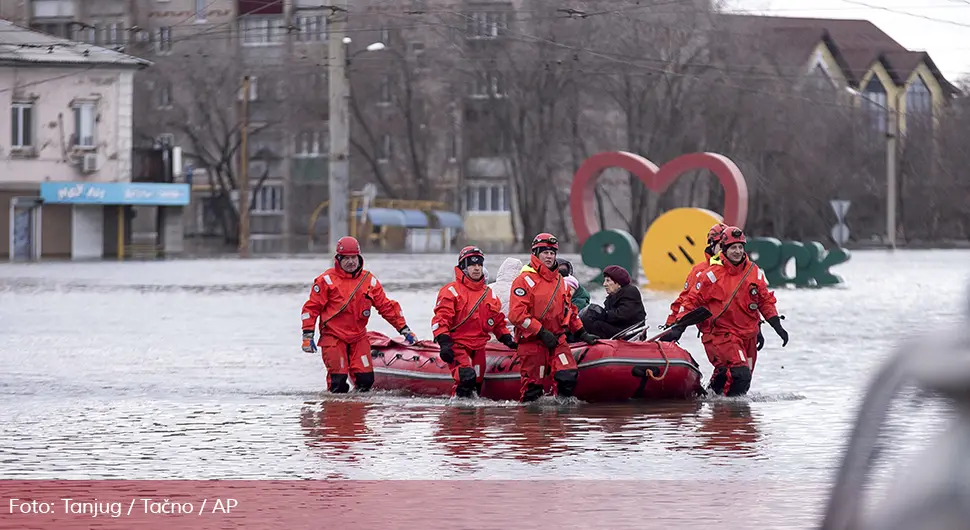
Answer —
447 354
584 336
775 323
547 338
508 342
761 340
673 335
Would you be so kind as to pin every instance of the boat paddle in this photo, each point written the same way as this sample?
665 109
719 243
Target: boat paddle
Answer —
690 319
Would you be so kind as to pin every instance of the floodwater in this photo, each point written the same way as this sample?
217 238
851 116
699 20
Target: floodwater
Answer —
193 369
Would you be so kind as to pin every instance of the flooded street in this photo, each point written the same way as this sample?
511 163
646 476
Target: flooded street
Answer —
193 369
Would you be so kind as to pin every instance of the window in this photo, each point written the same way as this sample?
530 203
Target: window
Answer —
253 91
485 25
919 101
417 51
487 198
84 124
22 125
488 84
385 36
200 6
312 28
876 105
384 149
312 144
269 199
261 31
385 89
112 33
163 40
163 95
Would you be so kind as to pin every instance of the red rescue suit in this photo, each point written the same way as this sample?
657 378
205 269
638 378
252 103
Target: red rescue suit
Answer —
540 299
735 295
467 311
677 307
343 303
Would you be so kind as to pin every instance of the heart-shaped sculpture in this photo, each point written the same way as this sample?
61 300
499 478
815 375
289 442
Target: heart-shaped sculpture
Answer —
657 179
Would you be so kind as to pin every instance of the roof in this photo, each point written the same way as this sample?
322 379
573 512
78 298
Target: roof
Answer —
22 46
856 44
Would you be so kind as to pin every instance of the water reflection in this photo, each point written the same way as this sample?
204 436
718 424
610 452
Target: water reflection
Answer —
729 425
334 426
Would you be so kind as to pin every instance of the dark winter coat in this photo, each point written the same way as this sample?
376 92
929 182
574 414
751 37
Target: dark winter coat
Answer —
621 310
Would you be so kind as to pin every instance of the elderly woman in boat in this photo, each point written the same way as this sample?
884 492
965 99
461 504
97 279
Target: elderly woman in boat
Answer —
622 308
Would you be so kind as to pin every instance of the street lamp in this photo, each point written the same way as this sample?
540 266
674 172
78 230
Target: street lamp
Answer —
339 120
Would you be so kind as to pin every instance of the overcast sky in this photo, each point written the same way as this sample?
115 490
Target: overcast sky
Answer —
939 27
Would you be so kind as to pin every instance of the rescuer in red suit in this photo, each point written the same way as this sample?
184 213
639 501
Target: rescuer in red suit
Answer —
541 310
735 291
712 251
466 312
342 298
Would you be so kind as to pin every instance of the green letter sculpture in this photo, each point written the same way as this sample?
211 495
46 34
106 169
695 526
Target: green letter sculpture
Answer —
612 247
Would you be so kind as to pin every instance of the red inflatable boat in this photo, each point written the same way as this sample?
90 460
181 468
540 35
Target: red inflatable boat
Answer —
612 370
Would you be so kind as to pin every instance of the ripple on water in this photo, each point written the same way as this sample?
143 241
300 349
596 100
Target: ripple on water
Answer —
191 369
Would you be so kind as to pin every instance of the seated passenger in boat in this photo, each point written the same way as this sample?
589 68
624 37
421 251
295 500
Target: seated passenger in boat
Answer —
580 296
622 308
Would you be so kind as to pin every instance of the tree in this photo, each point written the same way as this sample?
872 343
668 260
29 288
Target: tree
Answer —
198 98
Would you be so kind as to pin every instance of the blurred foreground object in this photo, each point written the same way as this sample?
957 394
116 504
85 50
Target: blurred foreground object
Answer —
933 492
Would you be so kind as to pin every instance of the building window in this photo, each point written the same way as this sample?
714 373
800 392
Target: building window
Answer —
312 144
385 36
261 31
312 28
22 125
269 199
163 95
200 6
384 149
488 84
487 198
485 25
385 89
163 40
919 101
253 89
875 105
84 124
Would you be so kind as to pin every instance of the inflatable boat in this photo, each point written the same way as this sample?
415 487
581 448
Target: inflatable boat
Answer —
609 371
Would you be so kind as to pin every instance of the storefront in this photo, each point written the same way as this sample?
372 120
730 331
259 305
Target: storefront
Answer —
77 220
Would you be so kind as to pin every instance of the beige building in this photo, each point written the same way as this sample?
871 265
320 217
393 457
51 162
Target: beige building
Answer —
66 168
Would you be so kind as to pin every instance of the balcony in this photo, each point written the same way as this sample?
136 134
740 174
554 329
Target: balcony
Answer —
486 167
52 9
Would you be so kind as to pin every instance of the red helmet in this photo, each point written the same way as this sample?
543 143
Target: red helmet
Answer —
732 235
545 241
715 233
347 246
470 256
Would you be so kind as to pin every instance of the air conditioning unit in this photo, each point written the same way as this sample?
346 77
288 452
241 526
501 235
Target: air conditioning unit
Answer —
89 162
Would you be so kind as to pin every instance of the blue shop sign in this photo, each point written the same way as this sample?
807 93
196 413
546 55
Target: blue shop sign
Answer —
137 193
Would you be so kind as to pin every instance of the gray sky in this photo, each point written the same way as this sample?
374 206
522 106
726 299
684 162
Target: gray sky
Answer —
939 27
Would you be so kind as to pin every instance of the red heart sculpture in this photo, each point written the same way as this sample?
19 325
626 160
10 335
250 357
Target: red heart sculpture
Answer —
657 179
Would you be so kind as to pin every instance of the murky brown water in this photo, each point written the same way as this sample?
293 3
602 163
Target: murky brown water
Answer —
192 369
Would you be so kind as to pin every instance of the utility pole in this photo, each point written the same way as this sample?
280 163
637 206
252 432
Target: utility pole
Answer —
339 92
891 134
244 174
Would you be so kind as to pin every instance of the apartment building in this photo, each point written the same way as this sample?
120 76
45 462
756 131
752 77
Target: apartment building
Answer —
67 176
